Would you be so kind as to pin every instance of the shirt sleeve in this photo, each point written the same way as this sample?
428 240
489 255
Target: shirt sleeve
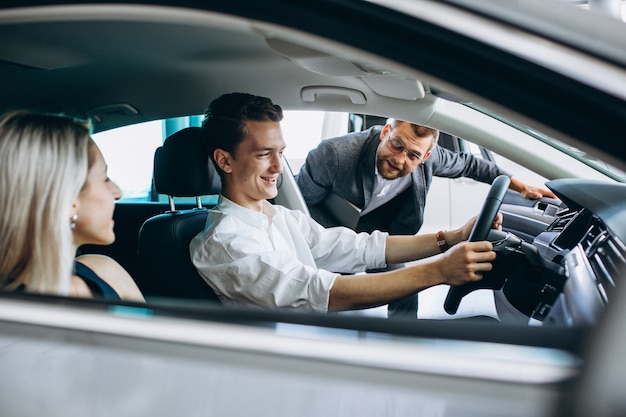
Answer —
296 268
343 250
245 269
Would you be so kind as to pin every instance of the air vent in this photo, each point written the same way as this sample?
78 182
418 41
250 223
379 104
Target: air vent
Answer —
607 257
563 218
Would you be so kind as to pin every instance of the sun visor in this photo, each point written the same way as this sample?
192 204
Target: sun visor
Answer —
314 60
396 86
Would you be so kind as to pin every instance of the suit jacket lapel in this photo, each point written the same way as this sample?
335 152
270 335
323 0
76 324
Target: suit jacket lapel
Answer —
368 162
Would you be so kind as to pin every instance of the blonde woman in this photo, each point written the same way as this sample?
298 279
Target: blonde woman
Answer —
56 196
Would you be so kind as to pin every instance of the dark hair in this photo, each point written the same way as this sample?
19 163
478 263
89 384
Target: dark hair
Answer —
419 130
224 125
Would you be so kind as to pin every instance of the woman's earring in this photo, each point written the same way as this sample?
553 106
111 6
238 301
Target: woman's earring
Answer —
73 221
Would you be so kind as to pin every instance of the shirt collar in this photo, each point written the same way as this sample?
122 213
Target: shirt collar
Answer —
250 217
401 183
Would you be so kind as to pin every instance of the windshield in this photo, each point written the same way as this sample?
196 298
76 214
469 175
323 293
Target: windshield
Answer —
589 160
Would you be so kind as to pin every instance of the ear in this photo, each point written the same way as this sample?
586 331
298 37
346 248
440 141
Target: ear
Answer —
385 132
222 158
426 156
75 206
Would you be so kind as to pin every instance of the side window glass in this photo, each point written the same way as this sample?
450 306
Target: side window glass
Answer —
520 172
303 131
129 154
360 122
461 145
477 151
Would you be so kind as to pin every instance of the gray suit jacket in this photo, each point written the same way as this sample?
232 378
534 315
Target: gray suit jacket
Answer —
346 166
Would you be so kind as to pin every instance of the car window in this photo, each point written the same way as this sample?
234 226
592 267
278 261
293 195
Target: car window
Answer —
450 201
129 150
599 165
455 144
303 131
522 173
129 153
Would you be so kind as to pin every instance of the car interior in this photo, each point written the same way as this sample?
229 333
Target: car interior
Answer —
535 252
554 106
299 73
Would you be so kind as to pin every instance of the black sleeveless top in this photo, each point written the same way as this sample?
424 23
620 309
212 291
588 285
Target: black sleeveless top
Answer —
97 285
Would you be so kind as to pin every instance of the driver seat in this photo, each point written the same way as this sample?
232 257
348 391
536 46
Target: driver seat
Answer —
181 169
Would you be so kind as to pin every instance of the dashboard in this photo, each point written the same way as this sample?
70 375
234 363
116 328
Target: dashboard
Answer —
570 272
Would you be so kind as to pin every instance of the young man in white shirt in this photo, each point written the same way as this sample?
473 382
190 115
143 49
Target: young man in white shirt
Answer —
254 253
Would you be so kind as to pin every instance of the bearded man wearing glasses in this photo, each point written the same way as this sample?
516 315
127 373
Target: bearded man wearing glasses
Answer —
382 176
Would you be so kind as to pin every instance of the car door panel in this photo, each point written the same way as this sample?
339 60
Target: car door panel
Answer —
527 218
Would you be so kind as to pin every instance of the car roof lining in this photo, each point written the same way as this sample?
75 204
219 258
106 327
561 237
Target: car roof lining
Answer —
36 53
200 50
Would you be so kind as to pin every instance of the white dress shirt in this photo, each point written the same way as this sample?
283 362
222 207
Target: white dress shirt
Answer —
278 258
385 190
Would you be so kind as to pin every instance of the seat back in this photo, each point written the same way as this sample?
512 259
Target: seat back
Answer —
181 169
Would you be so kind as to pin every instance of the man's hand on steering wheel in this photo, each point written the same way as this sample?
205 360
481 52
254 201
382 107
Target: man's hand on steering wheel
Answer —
466 262
467 227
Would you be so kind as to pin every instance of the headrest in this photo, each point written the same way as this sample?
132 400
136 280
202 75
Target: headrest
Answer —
182 167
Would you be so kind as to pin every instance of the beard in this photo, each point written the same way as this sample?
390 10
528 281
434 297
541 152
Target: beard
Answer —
387 172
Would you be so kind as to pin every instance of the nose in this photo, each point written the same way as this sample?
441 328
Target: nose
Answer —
400 157
277 163
117 193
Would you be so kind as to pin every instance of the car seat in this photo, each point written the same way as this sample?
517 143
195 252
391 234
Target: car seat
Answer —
181 169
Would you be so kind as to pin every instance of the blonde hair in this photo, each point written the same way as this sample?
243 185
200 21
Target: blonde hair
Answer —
43 166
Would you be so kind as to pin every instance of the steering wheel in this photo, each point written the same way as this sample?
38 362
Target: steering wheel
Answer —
480 231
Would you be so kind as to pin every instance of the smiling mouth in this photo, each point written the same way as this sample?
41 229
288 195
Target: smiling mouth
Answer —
393 166
269 179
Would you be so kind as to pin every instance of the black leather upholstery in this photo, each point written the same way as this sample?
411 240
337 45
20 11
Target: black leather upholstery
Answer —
181 169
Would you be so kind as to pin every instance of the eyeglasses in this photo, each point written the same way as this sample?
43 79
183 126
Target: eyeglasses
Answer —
396 147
